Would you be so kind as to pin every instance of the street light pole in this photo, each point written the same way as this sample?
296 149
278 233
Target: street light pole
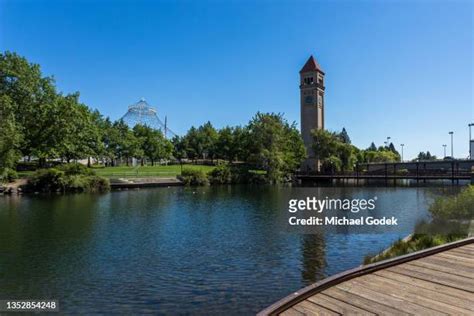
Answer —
452 149
470 138
387 142
402 150
444 146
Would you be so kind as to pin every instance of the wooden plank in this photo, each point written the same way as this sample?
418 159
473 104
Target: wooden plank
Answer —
466 261
439 261
414 294
292 312
378 295
435 276
459 294
309 308
362 302
462 299
450 260
460 254
464 280
468 246
442 268
463 250
337 306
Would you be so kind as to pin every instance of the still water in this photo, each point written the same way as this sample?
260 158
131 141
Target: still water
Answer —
180 250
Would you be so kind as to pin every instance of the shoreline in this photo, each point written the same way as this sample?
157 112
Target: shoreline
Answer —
17 187
387 250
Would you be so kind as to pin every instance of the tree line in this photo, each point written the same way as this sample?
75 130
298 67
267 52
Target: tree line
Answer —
37 121
336 153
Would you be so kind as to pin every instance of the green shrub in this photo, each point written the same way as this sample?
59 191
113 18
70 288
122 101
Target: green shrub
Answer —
194 177
459 207
77 179
98 184
8 175
47 180
416 243
449 224
254 176
76 169
233 174
222 174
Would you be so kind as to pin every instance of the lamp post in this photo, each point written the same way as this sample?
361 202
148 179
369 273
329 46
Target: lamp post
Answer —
444 146
452 149
470 138
402 150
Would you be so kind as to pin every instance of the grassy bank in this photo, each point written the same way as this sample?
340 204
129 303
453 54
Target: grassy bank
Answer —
451 217
148 171
416 243
138 171
190 174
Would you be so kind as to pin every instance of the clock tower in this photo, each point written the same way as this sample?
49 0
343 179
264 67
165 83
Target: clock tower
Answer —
311 108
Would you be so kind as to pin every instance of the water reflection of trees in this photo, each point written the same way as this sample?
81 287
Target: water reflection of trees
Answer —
314 257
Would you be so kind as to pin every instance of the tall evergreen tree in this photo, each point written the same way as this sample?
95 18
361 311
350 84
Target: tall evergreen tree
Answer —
372 147
344 136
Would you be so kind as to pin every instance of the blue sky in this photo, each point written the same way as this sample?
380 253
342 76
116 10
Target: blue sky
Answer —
402 69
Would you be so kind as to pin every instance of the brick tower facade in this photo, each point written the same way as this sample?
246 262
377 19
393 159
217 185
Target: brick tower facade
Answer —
312 108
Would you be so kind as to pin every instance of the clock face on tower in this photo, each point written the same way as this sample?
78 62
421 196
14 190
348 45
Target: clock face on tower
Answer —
309 99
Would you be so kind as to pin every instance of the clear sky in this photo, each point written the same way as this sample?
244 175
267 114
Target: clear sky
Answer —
402 69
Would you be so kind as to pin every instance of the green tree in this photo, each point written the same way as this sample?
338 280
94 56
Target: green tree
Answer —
179 147
325 144
274 145
372 147
152 143
225 143
240 145
426 156
207 136
392 148
380 156
333 151
77 135
194 146
10 137
344 136
33 98
109 140
124 142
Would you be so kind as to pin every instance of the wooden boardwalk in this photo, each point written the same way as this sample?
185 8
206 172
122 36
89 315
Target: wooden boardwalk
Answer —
437 281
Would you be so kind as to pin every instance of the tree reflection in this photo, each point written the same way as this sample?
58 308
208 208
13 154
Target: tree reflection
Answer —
314 257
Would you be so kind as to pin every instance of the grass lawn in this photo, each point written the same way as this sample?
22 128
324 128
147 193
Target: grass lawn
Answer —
145 171
148 171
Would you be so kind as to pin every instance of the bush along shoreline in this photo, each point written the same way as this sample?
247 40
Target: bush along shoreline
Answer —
451 218
66 178
224 174
78 178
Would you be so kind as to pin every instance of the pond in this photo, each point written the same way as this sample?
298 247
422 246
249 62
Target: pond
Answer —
187 250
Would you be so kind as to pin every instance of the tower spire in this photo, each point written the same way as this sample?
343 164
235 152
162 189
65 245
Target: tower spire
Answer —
311 65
